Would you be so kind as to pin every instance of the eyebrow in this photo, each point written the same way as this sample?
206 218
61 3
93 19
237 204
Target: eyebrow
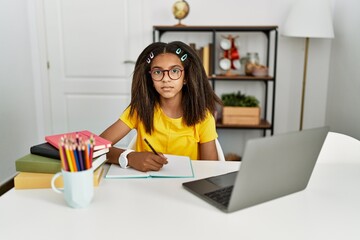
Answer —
171 67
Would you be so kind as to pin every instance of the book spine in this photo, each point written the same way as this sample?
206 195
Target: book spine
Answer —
25 180
45 153
206 59
38 167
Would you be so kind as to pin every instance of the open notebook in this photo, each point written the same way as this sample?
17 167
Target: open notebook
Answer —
177 167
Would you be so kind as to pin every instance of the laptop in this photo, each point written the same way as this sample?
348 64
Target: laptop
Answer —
271 167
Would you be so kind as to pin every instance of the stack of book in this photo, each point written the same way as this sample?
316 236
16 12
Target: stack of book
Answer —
37 168
205 53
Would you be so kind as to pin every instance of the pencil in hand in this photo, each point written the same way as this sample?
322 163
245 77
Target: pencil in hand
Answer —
152 149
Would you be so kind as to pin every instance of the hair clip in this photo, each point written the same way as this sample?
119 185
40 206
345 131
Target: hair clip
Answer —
183 57
151 56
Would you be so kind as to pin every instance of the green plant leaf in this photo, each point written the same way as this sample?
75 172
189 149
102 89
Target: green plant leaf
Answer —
239 100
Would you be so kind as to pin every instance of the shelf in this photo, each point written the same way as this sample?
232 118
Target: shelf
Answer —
263 125
215 76
240 78
163 28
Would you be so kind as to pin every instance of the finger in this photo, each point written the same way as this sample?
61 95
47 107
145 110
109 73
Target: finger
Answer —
153 166
163 159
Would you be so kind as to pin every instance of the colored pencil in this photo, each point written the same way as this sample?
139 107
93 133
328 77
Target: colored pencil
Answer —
76 154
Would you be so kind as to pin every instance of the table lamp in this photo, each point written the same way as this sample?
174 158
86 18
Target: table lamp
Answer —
308 19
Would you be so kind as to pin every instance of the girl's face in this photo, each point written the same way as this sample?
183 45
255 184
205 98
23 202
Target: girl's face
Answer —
167 73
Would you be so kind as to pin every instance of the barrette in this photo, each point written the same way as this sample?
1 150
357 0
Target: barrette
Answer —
151 56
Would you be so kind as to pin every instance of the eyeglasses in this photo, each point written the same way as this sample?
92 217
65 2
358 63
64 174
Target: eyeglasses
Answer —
158 75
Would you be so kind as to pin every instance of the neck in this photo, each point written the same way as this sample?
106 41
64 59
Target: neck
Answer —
172 107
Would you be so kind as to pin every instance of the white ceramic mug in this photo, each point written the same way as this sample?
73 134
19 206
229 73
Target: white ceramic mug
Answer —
78 187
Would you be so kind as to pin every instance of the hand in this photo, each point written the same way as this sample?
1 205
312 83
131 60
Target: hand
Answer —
146 161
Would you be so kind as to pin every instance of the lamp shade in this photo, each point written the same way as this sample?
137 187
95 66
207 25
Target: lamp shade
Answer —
309 18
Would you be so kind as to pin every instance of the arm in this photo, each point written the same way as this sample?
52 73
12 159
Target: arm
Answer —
142 161
115 133
207 131
208 151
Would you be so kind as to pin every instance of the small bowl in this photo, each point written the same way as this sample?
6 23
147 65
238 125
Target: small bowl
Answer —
260 71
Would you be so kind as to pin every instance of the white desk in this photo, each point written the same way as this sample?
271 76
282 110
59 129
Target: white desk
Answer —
161 209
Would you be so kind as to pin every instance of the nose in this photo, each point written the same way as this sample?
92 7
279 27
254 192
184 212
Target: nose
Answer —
166 76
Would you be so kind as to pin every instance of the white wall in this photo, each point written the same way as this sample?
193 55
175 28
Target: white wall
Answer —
289 65
18 123
343 111
24 121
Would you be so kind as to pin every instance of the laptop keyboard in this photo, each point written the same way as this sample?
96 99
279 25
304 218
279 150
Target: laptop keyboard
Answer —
221 195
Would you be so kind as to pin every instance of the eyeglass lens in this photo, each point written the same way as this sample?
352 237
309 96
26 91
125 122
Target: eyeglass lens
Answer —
158 75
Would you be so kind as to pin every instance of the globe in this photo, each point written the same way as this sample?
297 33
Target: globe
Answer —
180 10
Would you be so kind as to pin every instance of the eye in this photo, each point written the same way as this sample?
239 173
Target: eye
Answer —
176 70
156 72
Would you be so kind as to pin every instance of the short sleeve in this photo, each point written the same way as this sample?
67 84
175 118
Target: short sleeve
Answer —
207 129
130 121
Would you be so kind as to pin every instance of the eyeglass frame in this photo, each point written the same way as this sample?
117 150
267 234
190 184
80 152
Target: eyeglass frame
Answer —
168 72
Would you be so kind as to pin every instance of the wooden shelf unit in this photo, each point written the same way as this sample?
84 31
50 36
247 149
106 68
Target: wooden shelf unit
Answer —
271 33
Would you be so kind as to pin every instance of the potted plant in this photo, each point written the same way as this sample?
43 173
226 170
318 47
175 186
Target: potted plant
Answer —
240 109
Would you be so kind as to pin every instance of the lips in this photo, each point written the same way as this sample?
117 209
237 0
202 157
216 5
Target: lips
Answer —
166 88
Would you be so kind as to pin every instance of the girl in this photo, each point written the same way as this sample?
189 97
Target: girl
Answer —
171 106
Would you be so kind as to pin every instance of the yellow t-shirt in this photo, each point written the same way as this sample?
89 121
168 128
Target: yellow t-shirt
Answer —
172 136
